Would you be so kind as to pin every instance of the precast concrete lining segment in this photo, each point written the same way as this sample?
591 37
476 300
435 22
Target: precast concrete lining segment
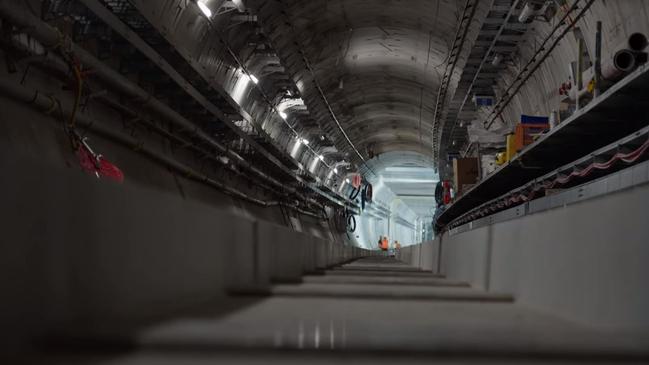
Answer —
316 84
359 52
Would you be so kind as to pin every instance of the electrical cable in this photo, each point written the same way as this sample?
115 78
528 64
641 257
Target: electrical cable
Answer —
77 98
521 197
354 194
351 223
368 192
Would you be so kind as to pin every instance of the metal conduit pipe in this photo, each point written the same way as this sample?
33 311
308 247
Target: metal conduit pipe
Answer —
41 62
45 103
50 62
626 57
117 25
50 37
623 61
169 135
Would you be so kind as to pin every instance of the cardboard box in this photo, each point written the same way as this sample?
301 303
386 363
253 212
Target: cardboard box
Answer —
466 171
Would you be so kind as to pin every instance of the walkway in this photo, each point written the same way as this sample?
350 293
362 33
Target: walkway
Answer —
371 311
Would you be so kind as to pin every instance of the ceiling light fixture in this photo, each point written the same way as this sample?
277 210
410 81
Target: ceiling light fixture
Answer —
496 60
254 79
409 181
283 115
335 170
321 157
206 11
305 141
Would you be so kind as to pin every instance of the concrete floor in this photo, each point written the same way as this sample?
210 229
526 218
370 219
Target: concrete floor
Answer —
344 314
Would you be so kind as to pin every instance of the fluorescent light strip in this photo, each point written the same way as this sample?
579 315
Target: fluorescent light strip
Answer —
413 181
206 11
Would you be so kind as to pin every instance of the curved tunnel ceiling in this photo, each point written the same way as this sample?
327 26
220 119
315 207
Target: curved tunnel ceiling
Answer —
378 66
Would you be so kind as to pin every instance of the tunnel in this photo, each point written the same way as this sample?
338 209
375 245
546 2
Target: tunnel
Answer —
324 181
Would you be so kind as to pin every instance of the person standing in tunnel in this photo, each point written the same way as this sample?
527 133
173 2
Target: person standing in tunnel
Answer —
384 243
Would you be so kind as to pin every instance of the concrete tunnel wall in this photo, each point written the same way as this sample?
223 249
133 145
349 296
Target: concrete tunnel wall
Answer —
133 254
76 249
586 262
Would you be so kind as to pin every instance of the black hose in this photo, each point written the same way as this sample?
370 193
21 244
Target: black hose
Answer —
368 192
439 193
354 194
340 220
351 223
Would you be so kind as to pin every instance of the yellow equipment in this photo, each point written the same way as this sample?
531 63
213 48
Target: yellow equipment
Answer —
501 158
511 146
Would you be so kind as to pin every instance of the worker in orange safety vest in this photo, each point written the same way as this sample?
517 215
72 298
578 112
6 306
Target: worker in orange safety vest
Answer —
384 243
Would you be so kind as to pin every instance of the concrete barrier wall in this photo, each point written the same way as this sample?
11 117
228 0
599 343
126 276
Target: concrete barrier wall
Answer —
423 256
587 262
78 249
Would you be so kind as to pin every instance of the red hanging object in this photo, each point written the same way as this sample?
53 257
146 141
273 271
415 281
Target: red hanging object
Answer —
447 192
110 170
97 164
356 180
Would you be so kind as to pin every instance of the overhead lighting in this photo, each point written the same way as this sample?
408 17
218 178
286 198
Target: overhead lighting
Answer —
496 60
289 93
412 181
254 79
335 170
239 4
347 181
321 157
283 115
301 140
206 11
